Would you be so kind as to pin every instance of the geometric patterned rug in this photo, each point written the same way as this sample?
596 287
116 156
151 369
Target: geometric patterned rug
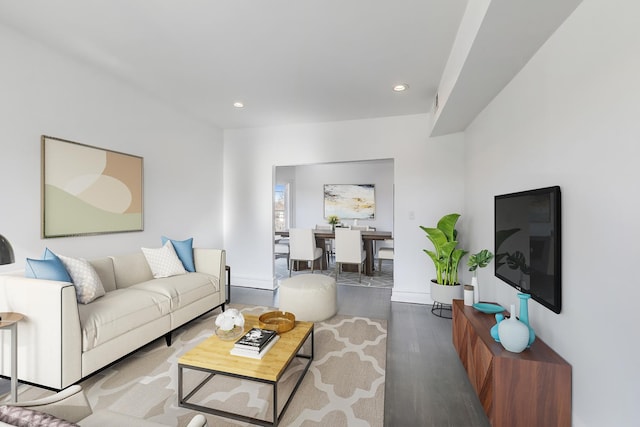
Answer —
343 387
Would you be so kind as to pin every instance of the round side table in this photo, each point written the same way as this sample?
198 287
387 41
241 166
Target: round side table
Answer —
9 320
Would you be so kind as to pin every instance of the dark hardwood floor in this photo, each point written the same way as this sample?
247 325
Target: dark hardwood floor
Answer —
426 384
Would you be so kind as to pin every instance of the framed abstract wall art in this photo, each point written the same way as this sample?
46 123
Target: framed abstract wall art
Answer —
89 190
350 201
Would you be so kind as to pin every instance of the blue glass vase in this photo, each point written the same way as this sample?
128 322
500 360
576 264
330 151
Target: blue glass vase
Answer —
524 316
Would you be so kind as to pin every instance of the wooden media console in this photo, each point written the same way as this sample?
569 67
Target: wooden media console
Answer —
532 388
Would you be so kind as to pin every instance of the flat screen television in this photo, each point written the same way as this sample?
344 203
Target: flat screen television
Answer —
528 244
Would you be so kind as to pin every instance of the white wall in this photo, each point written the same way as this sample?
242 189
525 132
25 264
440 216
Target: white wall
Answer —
426 187
570 118
309 183
45 93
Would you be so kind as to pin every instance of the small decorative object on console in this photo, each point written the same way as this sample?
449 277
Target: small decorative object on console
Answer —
494 328
524 316
468 295
478 260
514 335
486 307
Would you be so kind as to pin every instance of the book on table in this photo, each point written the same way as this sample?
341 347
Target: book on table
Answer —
252 353
255 339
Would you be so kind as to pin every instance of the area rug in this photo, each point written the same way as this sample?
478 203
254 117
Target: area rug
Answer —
343 387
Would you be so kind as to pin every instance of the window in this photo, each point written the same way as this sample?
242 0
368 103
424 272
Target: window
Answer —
281 207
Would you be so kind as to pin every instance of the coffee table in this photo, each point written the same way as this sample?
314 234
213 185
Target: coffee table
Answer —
212 356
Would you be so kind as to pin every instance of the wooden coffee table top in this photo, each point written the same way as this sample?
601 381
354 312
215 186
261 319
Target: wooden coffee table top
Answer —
213 354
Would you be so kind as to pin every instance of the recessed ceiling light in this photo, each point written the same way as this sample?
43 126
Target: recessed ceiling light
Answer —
400 87
238 104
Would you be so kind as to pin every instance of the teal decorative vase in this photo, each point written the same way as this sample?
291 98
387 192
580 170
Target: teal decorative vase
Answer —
494 328
524 316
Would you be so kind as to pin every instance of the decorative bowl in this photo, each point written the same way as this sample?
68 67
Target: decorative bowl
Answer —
488 308
279 321
230 334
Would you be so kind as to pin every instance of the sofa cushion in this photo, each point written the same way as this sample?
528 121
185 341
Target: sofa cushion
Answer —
164 261
118 312
25 417
49 268
184 250
104 268
131 269
182 290
85 279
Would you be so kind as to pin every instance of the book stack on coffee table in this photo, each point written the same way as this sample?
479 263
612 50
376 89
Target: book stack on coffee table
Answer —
255 343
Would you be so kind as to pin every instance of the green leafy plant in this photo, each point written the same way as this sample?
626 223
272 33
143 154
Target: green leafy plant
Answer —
446 256
479 260
333 219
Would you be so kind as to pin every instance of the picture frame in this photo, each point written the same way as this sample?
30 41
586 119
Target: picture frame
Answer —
350 201
88 190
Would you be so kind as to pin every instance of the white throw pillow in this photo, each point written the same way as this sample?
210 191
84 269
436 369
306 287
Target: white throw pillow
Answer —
164 261
85 279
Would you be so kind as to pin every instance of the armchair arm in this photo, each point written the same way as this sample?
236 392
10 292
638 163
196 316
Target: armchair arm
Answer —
69 404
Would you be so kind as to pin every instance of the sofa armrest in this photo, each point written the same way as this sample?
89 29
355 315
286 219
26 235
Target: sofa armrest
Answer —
49 336
212 262
70 404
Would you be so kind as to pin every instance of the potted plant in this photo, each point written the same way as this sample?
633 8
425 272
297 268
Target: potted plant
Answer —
333 220
446 258
478 260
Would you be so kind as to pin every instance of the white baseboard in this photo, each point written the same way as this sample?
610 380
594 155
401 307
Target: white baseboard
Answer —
411 297
253 282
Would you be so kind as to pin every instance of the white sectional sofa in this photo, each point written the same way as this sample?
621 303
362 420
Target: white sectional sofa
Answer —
61 341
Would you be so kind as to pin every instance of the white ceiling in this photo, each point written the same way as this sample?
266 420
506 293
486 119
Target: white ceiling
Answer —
289 61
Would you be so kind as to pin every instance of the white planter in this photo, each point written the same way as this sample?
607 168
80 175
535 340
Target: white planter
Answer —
445 294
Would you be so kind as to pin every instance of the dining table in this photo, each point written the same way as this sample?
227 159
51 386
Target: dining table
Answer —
368 239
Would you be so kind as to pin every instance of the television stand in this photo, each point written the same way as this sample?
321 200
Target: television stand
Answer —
532 388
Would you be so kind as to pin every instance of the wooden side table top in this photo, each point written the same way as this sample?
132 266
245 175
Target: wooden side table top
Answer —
9 318
213 353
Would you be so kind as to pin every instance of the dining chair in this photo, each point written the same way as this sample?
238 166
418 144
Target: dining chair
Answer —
349 250
359 227
281 249
328 243
384 253
302 247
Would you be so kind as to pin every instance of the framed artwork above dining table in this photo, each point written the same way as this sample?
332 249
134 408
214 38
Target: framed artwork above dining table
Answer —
350 201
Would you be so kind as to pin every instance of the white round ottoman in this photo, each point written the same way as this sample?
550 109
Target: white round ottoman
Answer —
311 297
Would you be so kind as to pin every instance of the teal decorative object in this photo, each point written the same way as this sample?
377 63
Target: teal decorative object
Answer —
486 307
494 328
524 316
513 334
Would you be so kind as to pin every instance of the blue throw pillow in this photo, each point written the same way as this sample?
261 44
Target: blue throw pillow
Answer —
49 268
184 249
